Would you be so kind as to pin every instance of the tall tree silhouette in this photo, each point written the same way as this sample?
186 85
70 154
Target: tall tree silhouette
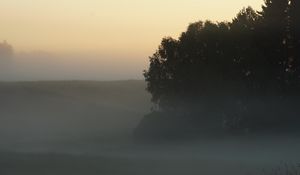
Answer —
294 38
273 41
232 69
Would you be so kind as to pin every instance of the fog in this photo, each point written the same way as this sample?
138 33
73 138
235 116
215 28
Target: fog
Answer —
76 113
40 65
86 127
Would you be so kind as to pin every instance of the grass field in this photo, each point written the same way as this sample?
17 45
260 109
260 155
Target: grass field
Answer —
85 128
68 111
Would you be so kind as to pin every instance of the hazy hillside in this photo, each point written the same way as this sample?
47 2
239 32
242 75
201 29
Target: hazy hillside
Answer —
40 112
85 128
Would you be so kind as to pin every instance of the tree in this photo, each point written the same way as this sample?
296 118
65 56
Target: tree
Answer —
248 60
160 74
294 38
6 50
6 54
272 41
231 69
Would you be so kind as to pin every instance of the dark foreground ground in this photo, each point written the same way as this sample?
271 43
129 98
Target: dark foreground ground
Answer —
85 128
210 157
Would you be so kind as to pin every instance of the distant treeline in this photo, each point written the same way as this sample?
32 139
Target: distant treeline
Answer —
239 76
6 50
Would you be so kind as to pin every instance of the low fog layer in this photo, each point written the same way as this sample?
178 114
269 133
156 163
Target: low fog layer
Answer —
86 128
39 65
50 112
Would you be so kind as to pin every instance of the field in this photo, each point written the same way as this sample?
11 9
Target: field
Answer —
75 128
70 111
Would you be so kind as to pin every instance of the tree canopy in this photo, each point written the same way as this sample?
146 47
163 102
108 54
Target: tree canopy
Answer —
254 56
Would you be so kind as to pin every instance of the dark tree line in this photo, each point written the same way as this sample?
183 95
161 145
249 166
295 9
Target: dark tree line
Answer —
241 75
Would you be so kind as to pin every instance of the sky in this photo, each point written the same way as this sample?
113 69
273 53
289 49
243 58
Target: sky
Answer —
125 29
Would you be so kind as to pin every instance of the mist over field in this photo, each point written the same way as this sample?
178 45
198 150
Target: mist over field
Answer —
89 127
70 110
86 127
41 65
91 87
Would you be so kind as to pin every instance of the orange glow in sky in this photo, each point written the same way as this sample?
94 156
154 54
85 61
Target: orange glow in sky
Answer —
98 39
123 26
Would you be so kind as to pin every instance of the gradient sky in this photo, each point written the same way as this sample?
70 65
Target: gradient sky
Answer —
123 28
105 25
